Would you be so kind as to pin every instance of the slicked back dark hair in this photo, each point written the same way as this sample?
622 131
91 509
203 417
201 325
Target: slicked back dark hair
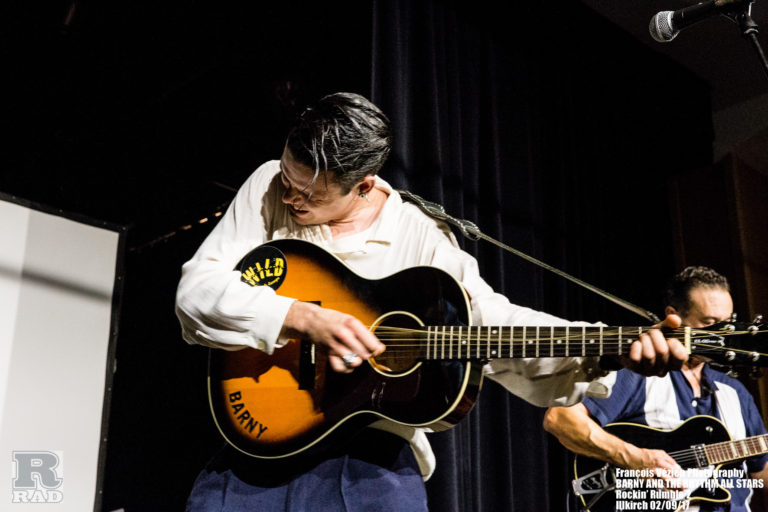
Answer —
343 133
678 293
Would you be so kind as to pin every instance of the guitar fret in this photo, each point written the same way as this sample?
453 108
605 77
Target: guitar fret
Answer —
741 448
537 341
567 339
601 340
501 354
750 445
466 340
619 340
429 346
450 343
551 342
523 341
478 341
583 341
488 345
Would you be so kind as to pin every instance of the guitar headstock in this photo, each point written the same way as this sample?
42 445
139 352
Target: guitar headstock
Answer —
732 343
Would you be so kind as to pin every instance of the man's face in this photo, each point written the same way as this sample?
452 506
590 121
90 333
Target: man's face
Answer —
309 204
708 306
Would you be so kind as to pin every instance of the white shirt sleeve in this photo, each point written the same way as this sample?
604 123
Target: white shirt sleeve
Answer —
540 381
214 307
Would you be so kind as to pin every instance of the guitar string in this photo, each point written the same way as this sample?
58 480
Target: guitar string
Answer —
574 333
544 333
418 337
752 446
474 353
724 450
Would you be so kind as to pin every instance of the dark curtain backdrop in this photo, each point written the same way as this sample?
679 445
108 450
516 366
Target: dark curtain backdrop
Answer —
548 127
555 133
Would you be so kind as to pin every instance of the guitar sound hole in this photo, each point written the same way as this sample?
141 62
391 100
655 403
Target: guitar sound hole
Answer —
402 334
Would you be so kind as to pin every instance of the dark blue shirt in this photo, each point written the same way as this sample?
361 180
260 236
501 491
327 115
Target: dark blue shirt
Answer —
665 402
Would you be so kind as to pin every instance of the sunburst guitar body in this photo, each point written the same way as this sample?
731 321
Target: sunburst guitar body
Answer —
279 405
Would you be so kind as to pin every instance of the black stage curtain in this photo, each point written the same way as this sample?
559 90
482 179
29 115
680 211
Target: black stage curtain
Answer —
548 127
554 132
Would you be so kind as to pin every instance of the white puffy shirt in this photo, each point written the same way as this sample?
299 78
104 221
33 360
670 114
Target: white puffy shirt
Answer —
217 310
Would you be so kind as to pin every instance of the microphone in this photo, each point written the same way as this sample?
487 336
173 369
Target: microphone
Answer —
665 26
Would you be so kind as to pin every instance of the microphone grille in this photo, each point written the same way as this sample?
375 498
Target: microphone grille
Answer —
661 27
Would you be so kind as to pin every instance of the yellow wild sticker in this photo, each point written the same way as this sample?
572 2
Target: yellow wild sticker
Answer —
263 266
270 270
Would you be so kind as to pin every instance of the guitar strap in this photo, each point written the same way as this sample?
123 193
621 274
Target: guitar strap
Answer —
472 232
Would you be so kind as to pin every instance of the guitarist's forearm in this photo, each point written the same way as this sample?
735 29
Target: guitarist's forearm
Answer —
578 432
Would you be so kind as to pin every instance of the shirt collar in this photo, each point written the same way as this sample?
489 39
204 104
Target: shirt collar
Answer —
384 228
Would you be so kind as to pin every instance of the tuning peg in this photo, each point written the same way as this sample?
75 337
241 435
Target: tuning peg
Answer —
755 373
733 317
733 373
757 319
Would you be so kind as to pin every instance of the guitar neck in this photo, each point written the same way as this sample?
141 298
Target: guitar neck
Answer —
482 342
727 451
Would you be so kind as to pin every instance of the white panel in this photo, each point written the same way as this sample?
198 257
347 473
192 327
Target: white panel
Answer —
56 378
13 236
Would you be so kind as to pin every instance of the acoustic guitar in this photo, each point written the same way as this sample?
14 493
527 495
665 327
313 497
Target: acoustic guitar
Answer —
283 404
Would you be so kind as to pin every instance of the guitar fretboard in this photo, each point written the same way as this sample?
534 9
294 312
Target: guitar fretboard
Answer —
727 451
479 342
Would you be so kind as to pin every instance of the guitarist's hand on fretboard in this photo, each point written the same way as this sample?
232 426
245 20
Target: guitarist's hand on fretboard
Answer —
346 339
653 354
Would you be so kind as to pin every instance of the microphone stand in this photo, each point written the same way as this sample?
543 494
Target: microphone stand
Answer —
749 31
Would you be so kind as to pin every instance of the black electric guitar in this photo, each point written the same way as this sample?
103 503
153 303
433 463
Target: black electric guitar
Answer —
701 445
279 405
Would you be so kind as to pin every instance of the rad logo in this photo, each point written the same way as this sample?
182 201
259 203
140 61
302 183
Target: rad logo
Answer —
37 477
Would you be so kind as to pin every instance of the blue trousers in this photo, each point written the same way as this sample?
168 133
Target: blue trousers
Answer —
376 471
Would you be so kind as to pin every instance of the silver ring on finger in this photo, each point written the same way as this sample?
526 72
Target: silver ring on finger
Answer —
350 359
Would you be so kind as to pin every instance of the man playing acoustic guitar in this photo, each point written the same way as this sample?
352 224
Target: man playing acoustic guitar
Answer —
701 297
325 190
